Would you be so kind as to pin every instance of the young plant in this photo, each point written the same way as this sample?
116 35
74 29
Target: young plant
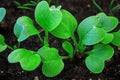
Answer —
24 28
93 31
2 14
28 6
3 45
31 4
111 8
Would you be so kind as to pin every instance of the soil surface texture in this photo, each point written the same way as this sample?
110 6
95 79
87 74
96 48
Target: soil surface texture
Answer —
74 69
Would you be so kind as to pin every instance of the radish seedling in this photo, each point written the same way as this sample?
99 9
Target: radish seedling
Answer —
3 45
48 18
95 31
2 13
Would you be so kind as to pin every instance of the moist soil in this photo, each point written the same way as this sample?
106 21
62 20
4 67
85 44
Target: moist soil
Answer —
74 69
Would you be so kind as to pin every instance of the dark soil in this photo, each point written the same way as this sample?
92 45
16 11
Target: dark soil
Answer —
74 69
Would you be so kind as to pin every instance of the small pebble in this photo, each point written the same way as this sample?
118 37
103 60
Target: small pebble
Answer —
36 78
99 79
88 5
90 79
2 72
22 71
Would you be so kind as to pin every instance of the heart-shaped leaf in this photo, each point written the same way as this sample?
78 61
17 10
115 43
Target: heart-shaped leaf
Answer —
94 36
34 61
52 68
116 39
3 45
52 62
47 18
96 59
16 55
24 28
94 64
102 51
108 23
29 60
86 25
2 13
48 54
89 33
66 27
67 46
108 38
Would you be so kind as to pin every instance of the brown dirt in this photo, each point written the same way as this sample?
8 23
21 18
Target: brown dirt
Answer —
74 69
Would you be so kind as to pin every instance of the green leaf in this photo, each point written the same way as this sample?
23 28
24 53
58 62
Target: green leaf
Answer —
96 59
116 39
67 26
48 54
34 61
3 45
24 28
88 33
108 38
2 13
116 8
94 36
82 47
108 23
86 25
29 60
16 55
102 51
67 46
94 64
52 62
46 17
52 68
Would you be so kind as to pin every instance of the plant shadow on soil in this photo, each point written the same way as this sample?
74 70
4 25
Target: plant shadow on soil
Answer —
74 69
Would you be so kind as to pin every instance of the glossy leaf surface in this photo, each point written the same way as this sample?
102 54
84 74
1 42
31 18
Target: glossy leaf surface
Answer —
2 13
24 28
66 27
86 25
88 29
108 38
94 64
67 46
48 54
116 39
89 33
47 18
52 68
52 62
108 23
96 57
103 51
94 36
3 45
29 60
